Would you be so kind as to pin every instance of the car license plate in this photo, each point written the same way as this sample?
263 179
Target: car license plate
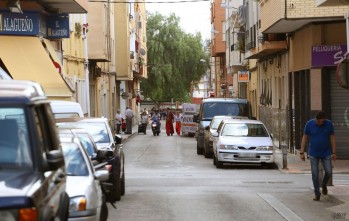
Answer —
247 155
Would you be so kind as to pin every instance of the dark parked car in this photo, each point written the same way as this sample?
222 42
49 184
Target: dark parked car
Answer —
102 135
211 107
32 175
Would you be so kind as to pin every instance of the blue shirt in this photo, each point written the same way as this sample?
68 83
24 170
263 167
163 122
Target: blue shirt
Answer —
319 138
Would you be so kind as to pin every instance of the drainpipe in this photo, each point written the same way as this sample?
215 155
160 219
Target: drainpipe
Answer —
87 89
285 16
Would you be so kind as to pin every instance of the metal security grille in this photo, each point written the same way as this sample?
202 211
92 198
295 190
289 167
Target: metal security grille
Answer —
340 116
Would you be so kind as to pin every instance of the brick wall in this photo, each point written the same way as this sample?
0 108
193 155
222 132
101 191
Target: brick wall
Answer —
274 10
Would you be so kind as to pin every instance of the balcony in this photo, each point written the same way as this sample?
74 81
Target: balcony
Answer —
268 44
284 16
330 3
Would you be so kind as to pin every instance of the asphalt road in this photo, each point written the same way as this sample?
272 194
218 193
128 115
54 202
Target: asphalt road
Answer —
167 181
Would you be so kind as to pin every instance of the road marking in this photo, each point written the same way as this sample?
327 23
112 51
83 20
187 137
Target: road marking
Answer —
281 208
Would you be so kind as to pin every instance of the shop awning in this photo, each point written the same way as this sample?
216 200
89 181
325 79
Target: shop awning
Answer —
26 59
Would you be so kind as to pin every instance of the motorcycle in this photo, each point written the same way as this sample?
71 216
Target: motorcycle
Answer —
155 127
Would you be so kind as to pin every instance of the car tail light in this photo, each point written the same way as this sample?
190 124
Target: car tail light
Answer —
109 167
27 214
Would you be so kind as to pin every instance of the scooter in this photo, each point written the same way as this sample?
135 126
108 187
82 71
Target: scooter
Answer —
155 127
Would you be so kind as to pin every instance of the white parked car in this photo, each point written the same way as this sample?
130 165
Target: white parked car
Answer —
87 201
66 109
242 141
212 128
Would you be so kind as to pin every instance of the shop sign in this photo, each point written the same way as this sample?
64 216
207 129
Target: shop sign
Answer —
328 55
58 26
243 76
19 24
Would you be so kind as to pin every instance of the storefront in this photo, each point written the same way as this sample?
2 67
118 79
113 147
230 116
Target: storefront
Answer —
23 55
315 53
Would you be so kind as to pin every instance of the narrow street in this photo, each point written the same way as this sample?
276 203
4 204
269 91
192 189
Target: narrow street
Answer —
167 180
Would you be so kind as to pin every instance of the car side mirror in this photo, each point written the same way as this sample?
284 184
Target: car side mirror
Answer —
196 118
118 139
55 159
215 134
271 136
105 155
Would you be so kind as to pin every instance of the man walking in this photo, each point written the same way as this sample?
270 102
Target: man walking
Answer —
322 147
129 116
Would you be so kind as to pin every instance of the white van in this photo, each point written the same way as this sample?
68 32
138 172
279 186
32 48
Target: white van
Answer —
66 109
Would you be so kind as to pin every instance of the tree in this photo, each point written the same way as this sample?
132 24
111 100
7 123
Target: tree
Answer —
173 59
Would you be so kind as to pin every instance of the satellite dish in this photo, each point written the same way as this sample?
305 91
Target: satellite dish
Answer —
142 51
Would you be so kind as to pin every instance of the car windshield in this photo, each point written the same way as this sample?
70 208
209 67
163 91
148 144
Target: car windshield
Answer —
223 108
74 160
87 143
216 122
244 130
98 130
14 140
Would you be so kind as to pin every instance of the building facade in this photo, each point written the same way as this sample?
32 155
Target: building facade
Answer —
296 47
31 35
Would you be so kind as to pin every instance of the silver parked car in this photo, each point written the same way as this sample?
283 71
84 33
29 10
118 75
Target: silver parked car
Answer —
212 128
101 133
242 141
83 183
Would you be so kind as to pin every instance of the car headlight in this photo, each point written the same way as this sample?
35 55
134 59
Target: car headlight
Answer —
228 147
24 214
77 204
264 148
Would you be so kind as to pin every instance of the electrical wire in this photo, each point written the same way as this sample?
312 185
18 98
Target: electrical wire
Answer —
152 2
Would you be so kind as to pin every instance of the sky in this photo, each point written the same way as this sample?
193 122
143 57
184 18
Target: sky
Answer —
194 16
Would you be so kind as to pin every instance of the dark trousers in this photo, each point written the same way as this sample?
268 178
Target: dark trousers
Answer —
118 126
129 125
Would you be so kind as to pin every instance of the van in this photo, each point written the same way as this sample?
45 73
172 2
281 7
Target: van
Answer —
66 109
218 106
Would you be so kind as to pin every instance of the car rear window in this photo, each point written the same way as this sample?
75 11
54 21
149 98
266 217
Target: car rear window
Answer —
212 109
244 130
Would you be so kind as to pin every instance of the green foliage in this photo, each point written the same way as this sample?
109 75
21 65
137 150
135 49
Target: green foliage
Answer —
173 59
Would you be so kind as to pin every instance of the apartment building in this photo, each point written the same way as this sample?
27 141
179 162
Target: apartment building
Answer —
217 64
297 46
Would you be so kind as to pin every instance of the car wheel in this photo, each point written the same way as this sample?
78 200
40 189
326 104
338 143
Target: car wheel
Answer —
63 211
206 152
219 164
116 181
104 212
198 149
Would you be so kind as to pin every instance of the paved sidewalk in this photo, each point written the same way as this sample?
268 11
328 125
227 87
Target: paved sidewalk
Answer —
296 165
